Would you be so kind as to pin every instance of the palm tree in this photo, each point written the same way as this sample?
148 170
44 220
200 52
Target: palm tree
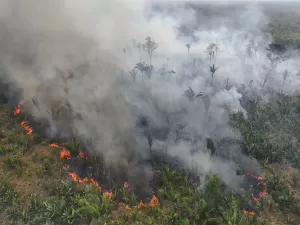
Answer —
191 95
150 139
133 74
285 75
213 69
148 71
188 47
140 66
212 50
145 69
149 47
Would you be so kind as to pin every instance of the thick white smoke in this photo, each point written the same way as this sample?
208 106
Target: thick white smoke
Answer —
70 60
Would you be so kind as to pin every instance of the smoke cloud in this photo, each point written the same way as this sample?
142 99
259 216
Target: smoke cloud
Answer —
69 61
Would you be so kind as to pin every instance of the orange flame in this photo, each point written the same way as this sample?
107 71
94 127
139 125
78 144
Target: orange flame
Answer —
260 195
245 212
83 155
54 145
154 202
92 180
25 125
108 194
260 183
17 110
65 154
141 205
251 213
74 177
77 179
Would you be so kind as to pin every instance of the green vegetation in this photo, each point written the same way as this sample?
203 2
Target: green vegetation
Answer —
285 27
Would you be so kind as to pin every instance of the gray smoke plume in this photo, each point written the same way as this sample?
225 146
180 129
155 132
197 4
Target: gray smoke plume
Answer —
68 61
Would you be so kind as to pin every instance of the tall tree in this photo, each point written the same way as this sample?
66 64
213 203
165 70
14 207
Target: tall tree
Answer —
149 47
212 50
213 69
188 47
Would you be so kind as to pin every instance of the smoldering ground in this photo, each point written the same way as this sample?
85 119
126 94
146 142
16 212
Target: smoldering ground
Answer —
63 63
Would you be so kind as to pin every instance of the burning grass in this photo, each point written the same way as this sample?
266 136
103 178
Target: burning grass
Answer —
50 183
83 199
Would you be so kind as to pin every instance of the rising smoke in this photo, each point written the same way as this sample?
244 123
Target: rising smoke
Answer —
67 62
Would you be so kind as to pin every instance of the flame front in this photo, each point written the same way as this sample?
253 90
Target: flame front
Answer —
245 212
108 194
83 155
54 146
154 202
92 180
65 154
17 110
261 195
126 186
25 125
141 205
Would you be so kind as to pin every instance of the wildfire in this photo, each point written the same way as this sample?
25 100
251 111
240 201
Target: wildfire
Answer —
76 178
125 186
245 212
54 146
25 125
65 154
83 155
17 110
261 182
92 180
108 194
141 205
154 202
261 195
